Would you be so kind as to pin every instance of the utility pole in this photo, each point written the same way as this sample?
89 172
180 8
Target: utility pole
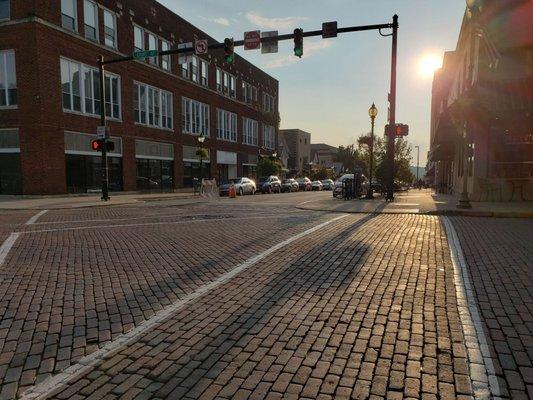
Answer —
105 172
392 118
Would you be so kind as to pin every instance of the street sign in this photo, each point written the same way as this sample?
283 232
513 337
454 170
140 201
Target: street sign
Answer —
184 58
252 40
101 132
141 55
200 47
269 46
329 29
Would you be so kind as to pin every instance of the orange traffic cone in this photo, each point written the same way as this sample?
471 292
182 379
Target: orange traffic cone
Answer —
232 192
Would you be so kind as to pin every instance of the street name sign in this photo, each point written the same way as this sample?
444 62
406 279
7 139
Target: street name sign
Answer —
329 29
200 47
252 40
141 55
270 46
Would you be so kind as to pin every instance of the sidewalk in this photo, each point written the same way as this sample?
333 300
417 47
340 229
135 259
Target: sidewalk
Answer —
422 202
93 200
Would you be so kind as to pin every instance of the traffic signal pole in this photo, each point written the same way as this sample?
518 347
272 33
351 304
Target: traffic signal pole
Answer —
215 46
105 171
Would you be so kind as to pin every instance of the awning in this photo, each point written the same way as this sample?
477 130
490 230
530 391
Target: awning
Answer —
506 98
442 152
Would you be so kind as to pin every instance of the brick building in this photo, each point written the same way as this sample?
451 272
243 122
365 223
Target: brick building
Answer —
299 146
157 109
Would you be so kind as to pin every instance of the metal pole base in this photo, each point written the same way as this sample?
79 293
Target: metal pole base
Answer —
464 202
369 194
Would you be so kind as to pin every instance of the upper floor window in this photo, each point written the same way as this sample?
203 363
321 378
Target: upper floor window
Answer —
195 117
152 106
249 93
4 10
138 38
269 137
226 83
226 125
80 86
90 15
152 45
8 79
69 14
110 30
250 131
197 70
165 60
268 102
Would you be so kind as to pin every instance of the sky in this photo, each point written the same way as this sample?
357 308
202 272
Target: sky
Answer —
329 90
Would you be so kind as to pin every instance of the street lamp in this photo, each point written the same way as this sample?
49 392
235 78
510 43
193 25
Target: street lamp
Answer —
201 140
417 161
464 200
373 113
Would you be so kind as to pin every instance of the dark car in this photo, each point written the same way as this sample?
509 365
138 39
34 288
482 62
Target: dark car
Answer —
327 184
289 185
304 184
242 186
272 184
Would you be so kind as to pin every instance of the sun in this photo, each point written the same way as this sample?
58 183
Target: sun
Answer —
428 64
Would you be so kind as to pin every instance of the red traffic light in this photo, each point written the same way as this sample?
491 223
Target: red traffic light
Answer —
401 130
96 145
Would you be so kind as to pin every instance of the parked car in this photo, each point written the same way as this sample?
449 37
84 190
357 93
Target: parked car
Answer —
272 184
304 184
327 184
316 185
289 185
242 186
337 186
144 183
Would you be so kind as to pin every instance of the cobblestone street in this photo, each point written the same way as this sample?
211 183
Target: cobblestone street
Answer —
259 299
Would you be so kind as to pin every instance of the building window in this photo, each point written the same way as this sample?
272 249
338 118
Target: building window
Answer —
268 102
152 106
4 10
204 73
185 70
195 117
249 93
226 83
110 29
138 37
250 131
197 70
152 45
165 60
69 14
8 79
194 69
269 137
226 125
90 15
80 87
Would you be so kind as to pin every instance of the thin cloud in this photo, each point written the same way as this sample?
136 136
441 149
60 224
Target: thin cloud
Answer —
217 20
283 23
310 48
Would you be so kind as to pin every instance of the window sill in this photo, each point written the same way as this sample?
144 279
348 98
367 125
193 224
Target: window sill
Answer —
195 134
226 140
81 114
15 107
154 127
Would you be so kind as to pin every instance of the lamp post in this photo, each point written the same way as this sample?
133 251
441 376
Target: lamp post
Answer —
373 113
417 162
464 200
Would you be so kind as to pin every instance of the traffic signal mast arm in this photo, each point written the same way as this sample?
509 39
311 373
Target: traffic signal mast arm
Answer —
237 43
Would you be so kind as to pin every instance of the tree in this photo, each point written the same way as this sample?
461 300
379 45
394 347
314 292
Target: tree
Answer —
350 157
267 167
402 160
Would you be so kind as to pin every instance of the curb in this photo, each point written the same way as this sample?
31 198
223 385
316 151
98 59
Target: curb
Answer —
451 213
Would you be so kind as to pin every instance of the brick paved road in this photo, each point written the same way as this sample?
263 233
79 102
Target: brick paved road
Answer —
364 307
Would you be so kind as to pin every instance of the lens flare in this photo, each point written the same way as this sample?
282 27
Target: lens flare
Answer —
428 64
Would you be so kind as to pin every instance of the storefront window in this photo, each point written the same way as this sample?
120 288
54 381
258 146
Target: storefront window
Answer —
10 175
155 175
84 173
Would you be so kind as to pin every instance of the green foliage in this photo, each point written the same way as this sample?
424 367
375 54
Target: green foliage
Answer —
202 153
267 167
350 157
402 160
322 173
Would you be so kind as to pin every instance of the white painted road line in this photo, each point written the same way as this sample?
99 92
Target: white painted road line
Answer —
7 245
481 365
45 388
33 219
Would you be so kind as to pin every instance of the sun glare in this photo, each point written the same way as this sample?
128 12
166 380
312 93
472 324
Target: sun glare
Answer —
428 64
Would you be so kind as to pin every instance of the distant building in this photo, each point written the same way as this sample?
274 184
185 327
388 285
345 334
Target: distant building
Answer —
482 106
324 156
299 145
284 153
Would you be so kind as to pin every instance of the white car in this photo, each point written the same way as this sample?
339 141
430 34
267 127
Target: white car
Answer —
316 185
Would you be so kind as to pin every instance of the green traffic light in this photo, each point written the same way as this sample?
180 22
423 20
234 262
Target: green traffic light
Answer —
298 52
229 58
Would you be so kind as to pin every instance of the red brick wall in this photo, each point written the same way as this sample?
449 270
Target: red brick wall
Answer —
42 122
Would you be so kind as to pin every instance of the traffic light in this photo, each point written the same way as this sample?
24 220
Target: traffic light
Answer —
96 145
228 49
298 42
401 130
